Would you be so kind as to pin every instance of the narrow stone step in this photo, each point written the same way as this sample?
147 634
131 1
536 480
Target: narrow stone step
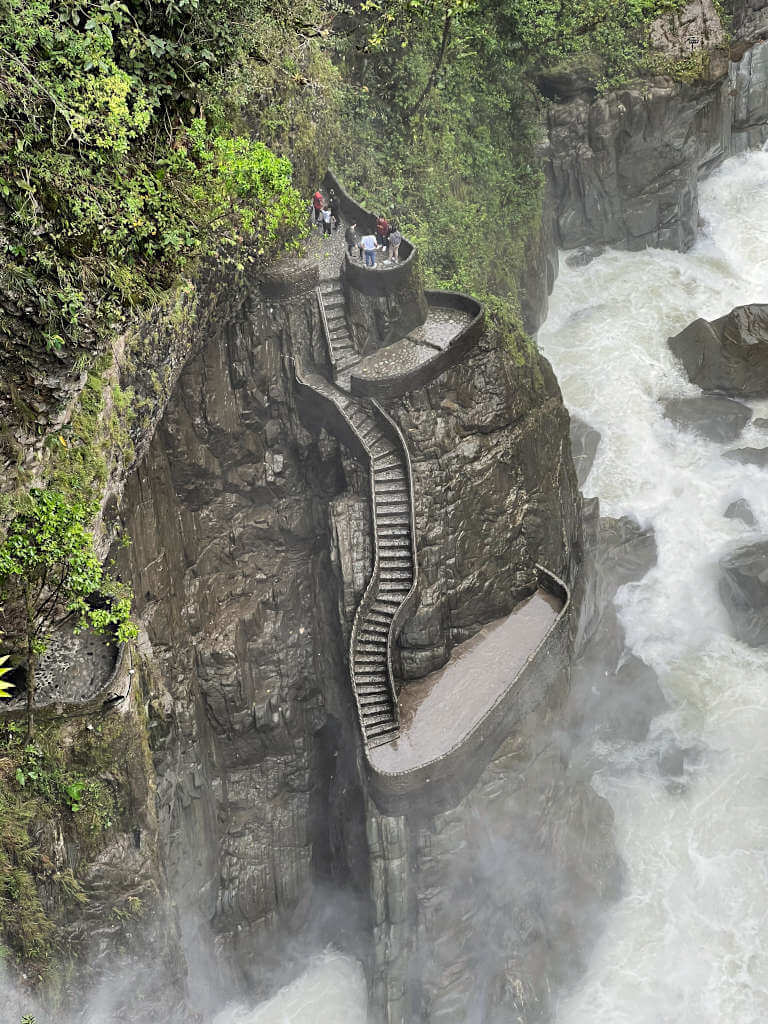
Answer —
391 486
373 702
368 646
382 448
372 718
397 575
390 460
392 499
371 690
377 662
381 733
381 617
372 632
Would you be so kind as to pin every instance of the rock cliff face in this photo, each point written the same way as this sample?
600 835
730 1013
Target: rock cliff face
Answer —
624 167
249 556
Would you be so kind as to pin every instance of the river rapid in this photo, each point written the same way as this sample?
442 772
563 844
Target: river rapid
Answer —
688 941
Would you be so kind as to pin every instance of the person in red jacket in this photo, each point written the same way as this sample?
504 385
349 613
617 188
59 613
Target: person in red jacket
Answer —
382 231
318 202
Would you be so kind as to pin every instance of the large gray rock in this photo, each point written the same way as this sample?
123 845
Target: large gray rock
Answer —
749 86
748 456
742 510
728 355
744 592
584 442
712 416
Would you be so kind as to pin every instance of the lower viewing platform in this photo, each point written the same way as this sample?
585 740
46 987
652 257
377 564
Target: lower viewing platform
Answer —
451 720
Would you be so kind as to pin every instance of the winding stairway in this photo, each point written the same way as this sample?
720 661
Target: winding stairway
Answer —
393 580
333 308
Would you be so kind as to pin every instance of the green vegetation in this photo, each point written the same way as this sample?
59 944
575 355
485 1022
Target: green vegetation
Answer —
52 783
126 152
441 119
49 574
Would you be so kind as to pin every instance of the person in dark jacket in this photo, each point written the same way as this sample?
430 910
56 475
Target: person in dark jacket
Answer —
382 231
335 209
350 237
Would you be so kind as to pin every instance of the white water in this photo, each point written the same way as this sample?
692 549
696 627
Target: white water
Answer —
688 943
331 990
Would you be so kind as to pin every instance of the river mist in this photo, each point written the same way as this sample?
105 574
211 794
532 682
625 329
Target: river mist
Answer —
686 942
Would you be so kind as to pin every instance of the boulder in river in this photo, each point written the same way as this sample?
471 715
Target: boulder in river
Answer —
761 422
744 591
749 456
741 509
584 442
728 355
712 416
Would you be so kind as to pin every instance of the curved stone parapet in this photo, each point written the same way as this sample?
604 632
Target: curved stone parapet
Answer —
388 385
384 280
435 767
367 429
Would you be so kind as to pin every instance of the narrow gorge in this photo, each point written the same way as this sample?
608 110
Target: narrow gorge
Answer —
445 701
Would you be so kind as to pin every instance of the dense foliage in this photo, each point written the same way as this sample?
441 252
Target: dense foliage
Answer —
120 157
442 117
48 784
49 574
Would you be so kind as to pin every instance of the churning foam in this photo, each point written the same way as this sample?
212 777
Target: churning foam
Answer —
688 943
331 990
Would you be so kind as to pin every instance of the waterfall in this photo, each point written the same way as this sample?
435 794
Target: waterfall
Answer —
687 942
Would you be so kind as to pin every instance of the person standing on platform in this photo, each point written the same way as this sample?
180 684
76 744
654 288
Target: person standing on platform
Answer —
368 243
335 210
395 238
382 231
350 237
317 203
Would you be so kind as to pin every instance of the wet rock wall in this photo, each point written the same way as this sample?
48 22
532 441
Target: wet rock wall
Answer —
624 167
229 560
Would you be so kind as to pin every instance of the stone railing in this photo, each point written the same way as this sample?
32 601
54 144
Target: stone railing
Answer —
392 430
396 385
444 781
326 332
383 280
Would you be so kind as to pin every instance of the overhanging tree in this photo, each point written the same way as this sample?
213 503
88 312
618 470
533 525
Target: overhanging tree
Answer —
49 575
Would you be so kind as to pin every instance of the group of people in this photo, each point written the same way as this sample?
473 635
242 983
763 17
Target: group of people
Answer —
386 240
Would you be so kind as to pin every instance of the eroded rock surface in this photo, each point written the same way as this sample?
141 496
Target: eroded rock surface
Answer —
741 509
494 493
744 591
584 442
728 355
712 416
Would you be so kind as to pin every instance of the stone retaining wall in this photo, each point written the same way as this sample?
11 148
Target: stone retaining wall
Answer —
395 386
443 783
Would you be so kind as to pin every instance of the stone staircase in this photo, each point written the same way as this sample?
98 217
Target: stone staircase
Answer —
332 304
394 575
